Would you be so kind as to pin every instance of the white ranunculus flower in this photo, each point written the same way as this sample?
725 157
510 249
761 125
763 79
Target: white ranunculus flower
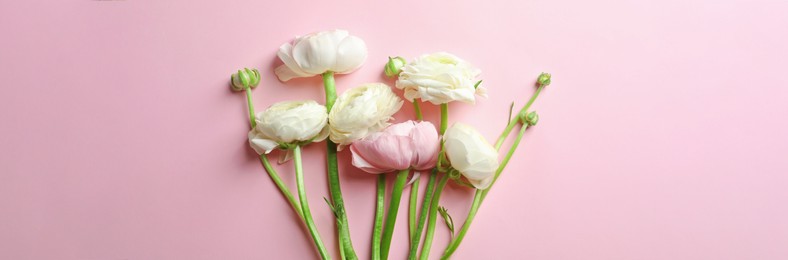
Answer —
289 122
471 155
440 78
361 111
317 53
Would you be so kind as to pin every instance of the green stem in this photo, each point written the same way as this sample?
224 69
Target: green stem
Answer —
425 249
479 197
506 159
380 203
310 224
267 165
331 90
281 185
444 117
417 108
333 176
425 208
414 196
514 121
477 200
250 105
391 217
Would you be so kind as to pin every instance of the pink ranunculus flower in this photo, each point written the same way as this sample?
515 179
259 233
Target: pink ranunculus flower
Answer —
400 146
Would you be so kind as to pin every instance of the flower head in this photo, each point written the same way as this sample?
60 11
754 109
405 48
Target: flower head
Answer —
289 122
361 111
320 52
398 147
544 79
471 155
245 78
440 78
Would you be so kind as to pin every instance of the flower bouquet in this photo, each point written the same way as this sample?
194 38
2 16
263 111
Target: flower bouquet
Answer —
359 120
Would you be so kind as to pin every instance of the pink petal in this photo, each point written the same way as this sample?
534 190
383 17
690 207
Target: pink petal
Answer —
385 151
363 164
427 145
401 129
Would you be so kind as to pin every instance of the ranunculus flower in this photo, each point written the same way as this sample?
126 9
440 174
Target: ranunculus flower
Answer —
320 52
440 78
361 111
289 122
471 155
398 147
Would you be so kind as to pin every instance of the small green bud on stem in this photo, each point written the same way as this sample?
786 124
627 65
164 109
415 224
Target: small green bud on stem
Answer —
394 66
245 78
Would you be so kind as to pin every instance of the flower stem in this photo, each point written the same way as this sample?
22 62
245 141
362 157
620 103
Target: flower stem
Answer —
425 208
346 245
282 187
444 117
478 198
250 105
380 203
331 90
267 165
310 224
417 108
391 217
425 250
513 121
412 210
506 159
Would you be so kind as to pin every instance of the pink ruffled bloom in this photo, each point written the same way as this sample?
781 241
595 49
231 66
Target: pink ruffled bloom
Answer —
398 147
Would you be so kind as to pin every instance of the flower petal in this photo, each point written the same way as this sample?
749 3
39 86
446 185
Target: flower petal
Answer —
427 145
316 54
290 69
260 143
351 54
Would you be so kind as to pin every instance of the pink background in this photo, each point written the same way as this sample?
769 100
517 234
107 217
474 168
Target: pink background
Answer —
662 136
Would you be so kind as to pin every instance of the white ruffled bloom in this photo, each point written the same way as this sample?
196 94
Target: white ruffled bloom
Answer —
361 111
289 122
471 155
320 52
440 78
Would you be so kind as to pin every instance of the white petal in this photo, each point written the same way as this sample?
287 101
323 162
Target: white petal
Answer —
316 54
351 54
482 184
481 91
290 69
261 145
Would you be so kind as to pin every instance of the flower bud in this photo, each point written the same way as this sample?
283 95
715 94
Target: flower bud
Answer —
394 66
245 78
471 155
544 79
531 118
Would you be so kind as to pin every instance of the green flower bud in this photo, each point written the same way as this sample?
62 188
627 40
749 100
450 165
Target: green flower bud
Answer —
394 66
531 118
544 79
245 78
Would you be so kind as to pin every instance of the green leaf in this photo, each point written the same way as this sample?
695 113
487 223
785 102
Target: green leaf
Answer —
331 206
447 219
511 108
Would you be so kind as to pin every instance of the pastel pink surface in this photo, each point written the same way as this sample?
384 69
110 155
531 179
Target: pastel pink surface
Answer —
662 136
